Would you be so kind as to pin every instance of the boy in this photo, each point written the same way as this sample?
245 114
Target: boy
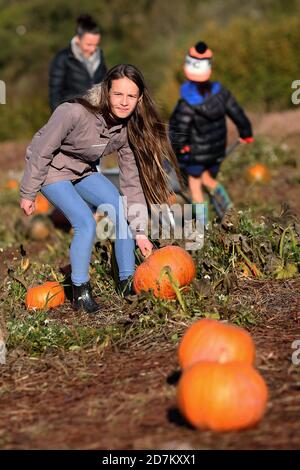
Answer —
198 128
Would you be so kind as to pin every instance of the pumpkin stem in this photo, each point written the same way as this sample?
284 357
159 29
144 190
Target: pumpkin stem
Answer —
167 271
49 297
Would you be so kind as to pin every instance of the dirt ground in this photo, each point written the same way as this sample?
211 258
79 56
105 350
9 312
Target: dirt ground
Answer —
124 396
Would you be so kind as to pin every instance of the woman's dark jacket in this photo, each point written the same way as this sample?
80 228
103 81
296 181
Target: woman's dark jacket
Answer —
68 77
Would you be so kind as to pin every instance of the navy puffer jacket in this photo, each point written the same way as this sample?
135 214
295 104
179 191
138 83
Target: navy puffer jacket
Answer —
199 122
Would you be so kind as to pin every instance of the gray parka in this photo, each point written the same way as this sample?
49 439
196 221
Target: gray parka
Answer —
69 146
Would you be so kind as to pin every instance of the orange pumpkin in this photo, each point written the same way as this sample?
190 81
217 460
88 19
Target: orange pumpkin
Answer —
258 173
222 397
149 275
12 184
42 205
48 295
211 340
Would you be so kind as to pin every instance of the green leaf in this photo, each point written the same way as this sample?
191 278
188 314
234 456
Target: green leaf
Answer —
213 315
290 270
174 337
75 347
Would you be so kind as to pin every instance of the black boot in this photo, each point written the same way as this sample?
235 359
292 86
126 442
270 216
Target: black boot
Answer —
83 299
125 287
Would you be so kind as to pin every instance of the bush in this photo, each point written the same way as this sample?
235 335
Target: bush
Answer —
256 56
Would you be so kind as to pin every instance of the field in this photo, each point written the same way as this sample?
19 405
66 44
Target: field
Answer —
73 382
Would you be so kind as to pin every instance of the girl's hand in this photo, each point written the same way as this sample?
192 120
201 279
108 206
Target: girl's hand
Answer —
144 245
27 206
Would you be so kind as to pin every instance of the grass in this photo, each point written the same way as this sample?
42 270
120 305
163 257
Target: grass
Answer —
262 150
37 334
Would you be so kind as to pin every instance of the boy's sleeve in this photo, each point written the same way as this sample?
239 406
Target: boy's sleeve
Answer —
238 116
179 126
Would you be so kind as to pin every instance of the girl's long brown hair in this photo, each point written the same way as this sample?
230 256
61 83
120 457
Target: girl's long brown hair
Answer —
147 134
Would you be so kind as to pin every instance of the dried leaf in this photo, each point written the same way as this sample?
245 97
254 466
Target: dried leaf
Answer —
25 263
231 219
245 245
203 287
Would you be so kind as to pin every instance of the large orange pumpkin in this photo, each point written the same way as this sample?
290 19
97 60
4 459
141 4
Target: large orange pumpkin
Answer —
42 205
222 397
258 173
48 295
211 340
149 275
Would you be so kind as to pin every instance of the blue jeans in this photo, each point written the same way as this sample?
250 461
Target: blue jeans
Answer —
75 200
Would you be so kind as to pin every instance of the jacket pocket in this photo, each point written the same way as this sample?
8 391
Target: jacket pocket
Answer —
77 166
59 161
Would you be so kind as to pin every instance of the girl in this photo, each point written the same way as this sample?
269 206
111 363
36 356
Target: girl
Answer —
62 159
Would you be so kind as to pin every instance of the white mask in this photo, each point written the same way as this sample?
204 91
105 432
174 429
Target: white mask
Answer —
198 70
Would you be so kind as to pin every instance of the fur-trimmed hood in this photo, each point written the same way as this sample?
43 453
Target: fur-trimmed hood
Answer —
93 95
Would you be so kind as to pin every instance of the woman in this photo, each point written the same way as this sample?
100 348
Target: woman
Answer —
61 161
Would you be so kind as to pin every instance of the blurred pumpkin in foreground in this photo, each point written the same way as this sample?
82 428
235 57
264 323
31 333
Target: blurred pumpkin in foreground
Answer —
212 340
222 397
165 266
45 296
